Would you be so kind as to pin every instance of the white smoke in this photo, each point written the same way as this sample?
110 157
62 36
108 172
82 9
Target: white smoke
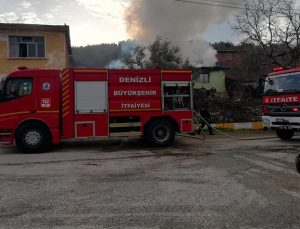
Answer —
115 64
180 22
199 52
127 49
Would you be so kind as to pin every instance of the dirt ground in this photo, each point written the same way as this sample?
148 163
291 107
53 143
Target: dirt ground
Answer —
216 183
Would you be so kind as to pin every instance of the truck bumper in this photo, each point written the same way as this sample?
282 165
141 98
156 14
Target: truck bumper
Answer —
6 138
281 122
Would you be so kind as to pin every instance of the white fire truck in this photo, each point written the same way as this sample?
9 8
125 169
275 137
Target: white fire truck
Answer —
281 102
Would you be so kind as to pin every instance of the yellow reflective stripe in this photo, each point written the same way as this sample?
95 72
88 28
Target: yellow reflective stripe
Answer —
65 87
125 134
65 98
65 103
27 112
66 108
65 93
56 111
66 114
130 124
90 71
65 82
15 113
176 71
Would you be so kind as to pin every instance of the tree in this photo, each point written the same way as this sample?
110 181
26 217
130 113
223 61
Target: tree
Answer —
137 57
95 56
164 54
274 25
224 45
161 53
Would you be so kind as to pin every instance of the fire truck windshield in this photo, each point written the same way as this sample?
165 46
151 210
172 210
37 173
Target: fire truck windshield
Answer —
282 84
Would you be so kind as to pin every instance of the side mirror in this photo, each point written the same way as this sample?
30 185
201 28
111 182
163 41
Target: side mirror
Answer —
261 86
271 82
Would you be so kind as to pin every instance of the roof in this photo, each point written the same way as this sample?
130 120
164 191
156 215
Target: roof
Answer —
230 51
56 28
214 68
297 69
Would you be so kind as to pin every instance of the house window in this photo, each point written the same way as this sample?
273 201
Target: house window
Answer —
26 46
203 78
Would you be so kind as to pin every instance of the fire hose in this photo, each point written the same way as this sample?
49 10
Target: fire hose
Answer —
198 116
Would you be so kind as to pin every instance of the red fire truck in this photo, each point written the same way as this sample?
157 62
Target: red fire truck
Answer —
39 108
281 102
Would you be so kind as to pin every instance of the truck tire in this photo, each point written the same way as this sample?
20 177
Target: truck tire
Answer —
159 133
298 163
285 134
33 137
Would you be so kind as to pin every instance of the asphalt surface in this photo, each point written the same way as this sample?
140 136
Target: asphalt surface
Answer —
217 183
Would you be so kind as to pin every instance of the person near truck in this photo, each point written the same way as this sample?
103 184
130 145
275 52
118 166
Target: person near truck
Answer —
205 113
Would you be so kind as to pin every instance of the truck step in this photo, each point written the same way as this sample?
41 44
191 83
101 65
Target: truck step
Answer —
129 124
126 134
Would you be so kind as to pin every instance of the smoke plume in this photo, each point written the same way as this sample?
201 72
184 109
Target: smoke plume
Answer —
126 48
180 22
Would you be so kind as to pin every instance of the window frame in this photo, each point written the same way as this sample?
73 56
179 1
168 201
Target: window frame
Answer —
201 78
27 43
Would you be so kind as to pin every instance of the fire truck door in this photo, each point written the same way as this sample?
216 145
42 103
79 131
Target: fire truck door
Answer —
20 95
91 115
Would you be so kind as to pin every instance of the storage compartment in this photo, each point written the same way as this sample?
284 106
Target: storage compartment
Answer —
125 126
186 125
90 97
177 95
84 129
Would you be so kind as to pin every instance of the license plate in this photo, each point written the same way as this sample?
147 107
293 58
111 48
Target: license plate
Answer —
285 127
282 120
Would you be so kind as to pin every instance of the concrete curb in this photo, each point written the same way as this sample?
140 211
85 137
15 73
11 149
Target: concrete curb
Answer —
239 126
236 126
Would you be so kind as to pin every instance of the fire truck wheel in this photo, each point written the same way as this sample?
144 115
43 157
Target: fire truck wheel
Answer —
33 138
159 133
298 163
285 134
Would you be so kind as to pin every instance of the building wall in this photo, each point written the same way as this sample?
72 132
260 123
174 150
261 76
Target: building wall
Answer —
216 80
229 59
56 55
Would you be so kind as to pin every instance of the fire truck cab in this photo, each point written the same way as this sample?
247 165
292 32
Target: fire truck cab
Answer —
281 102
39 108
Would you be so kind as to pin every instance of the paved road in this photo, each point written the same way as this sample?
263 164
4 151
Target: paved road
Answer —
217 183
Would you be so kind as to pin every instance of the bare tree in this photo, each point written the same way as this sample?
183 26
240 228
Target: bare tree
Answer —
274 25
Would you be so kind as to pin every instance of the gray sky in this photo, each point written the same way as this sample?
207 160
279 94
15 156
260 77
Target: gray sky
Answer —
91 21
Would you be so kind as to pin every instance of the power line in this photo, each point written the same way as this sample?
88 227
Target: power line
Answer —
224 6
209 4
224 2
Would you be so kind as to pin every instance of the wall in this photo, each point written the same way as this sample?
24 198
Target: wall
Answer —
216 80
56 51
229 59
